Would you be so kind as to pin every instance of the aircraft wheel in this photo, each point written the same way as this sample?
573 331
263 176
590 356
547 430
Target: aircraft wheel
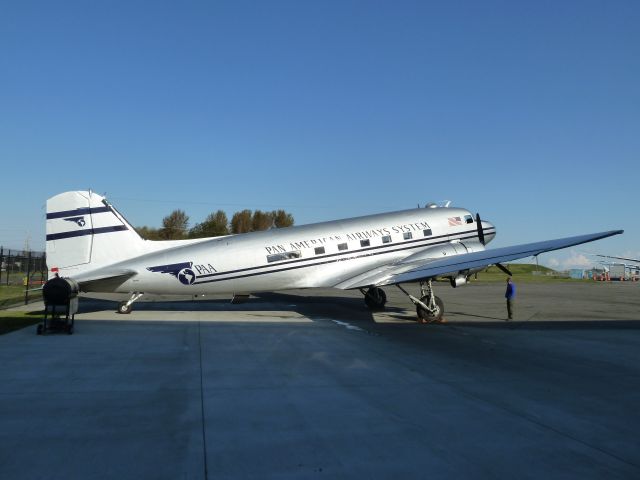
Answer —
425 316
375 298
124 308
39 330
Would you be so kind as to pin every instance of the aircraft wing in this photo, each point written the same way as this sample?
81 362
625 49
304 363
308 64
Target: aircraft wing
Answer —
402 272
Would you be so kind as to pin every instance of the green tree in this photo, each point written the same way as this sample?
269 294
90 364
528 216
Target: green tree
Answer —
215 225
241 222
148 233
174 226
261 221
282 219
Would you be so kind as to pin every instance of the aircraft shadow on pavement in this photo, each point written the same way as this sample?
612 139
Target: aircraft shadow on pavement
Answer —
340 308
474 315
336 307
349 309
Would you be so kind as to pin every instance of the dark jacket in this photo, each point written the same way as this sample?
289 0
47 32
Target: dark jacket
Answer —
511 291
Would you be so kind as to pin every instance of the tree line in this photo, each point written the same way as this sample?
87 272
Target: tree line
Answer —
175 226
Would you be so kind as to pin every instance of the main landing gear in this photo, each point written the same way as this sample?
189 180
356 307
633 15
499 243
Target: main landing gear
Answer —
429 308
125 307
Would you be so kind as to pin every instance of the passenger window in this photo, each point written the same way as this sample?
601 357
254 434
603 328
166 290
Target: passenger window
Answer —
407 235
386 239
319 250
364 243
342 246
427 232
278 257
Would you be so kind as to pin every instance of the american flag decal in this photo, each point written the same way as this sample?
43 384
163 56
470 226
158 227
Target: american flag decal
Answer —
454 221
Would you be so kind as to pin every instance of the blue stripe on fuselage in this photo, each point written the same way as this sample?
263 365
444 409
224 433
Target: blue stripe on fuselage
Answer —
346 255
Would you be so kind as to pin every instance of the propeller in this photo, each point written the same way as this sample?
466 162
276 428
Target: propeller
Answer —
480 230
504 269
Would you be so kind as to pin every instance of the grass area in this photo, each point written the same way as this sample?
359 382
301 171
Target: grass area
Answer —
523 272
11 295
14 295
12 320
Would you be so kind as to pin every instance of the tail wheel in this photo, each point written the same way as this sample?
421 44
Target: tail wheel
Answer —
426 316
375 298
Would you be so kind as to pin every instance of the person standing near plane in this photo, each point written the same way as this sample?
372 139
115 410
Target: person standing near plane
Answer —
510 295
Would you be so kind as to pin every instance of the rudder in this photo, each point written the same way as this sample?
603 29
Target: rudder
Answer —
85 232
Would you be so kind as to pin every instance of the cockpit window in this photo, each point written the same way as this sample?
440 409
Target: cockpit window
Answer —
468 219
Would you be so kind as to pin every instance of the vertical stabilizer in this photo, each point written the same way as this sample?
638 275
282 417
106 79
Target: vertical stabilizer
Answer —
84 232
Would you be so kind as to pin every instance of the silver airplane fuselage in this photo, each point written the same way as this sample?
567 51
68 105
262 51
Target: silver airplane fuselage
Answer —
316 255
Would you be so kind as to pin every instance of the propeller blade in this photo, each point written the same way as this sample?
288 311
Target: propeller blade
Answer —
504 269
480 229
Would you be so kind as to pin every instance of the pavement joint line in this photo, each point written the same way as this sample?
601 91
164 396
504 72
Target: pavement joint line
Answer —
202 409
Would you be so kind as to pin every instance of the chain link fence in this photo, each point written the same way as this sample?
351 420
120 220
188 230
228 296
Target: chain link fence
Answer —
22 274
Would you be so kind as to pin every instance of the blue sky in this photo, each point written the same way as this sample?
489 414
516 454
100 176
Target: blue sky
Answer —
528 112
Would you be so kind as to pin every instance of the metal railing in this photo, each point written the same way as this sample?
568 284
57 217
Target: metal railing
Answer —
22 274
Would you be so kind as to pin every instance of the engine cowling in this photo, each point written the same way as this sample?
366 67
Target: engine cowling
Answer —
458 280
450 249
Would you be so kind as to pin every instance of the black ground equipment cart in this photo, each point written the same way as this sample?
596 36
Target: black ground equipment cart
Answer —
60 305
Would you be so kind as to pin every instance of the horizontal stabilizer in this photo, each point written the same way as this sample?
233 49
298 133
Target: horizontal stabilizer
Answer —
103 280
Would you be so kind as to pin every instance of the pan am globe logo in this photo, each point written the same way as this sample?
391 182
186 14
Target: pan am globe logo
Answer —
186 272
182 271
77 220
186 276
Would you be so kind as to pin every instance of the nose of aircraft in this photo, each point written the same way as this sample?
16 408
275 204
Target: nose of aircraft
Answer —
489 231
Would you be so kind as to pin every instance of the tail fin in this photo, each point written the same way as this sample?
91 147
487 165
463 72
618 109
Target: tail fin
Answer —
84 232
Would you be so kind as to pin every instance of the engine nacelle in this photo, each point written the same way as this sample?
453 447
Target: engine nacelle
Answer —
450 249
458 280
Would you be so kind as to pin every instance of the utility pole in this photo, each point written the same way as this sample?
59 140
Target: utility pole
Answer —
26 283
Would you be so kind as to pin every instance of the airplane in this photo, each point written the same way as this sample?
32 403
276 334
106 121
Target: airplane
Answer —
633 268
89 241
634 260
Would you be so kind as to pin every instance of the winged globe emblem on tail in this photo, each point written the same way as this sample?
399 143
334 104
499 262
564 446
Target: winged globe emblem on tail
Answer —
80 221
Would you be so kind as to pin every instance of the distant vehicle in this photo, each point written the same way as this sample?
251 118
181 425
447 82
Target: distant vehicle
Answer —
631 266
91 242
617 271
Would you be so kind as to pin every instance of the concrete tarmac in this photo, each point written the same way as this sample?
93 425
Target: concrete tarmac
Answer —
309 384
